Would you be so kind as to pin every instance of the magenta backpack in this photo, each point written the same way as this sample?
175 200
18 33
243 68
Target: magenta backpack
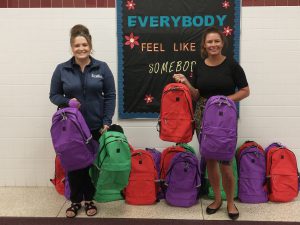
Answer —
218 136
72 139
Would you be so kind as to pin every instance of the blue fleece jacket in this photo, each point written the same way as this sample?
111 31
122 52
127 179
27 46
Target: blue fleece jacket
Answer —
94 88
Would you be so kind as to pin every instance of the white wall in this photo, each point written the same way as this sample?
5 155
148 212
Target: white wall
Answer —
34 41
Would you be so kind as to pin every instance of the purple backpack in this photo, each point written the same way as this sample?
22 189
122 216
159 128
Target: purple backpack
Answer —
183 180
274 144
252 175
218 136
72 139
156 155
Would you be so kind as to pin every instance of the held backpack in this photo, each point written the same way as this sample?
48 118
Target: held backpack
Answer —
282 174
72 139
60 180
252 173
176 123
111 168
183 180
218 136
142 187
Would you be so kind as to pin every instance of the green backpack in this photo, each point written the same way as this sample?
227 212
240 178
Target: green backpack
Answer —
210 192
111 168
187 147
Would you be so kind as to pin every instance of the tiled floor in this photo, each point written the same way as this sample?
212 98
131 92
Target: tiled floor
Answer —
45 202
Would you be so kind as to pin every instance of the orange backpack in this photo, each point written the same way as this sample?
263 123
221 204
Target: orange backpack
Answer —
176 122
282 174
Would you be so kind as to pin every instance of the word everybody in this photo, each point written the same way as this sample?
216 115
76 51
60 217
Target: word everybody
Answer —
175 21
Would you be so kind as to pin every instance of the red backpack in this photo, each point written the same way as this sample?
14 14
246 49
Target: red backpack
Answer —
176 120
282 174
60 180
59 177
166 157
142 187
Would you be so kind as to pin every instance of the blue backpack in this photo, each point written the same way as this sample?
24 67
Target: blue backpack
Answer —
183 180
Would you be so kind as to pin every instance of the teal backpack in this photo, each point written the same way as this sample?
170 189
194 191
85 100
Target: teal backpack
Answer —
111 168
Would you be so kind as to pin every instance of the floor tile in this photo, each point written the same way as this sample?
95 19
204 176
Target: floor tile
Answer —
30 202
45 202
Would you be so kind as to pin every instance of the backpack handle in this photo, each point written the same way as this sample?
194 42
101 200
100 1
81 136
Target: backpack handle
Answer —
224 99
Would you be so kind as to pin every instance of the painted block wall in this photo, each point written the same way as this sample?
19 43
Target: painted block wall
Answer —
34 41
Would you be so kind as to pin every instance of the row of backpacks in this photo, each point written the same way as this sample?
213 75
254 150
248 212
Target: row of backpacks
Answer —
267 174
118 171
143 177
261 175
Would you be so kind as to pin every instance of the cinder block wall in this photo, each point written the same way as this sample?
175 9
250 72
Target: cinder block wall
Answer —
34 41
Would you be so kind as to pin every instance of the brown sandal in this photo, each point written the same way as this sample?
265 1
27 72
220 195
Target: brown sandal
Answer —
89 206
74 208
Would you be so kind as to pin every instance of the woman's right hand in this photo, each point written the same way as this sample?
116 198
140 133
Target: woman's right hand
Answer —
180 78
74 103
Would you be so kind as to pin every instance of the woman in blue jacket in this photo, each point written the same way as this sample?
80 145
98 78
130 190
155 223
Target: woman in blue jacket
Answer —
88 84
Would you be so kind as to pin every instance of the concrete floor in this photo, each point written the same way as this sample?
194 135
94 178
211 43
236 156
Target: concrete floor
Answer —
45 202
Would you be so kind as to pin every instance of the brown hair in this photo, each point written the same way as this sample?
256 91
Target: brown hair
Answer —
207 31
80 30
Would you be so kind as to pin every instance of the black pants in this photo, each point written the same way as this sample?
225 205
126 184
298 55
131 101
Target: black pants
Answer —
81 185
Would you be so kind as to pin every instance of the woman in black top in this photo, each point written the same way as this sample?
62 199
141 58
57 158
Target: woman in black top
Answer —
216 75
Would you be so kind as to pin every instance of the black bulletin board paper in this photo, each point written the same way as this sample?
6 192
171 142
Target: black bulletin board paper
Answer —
157 38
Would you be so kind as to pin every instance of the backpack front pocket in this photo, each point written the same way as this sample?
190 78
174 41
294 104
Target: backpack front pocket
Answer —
218 142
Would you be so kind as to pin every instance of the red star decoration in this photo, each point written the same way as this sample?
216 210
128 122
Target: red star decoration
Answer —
148 98
227 31
225 4
130 5
131 40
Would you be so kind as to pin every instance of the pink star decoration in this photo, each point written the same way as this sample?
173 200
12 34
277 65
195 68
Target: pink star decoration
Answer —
148 98
130 5
227 31
225 4
131 40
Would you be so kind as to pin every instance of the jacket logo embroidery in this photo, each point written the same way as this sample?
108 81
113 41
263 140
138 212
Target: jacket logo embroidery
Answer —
97 76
